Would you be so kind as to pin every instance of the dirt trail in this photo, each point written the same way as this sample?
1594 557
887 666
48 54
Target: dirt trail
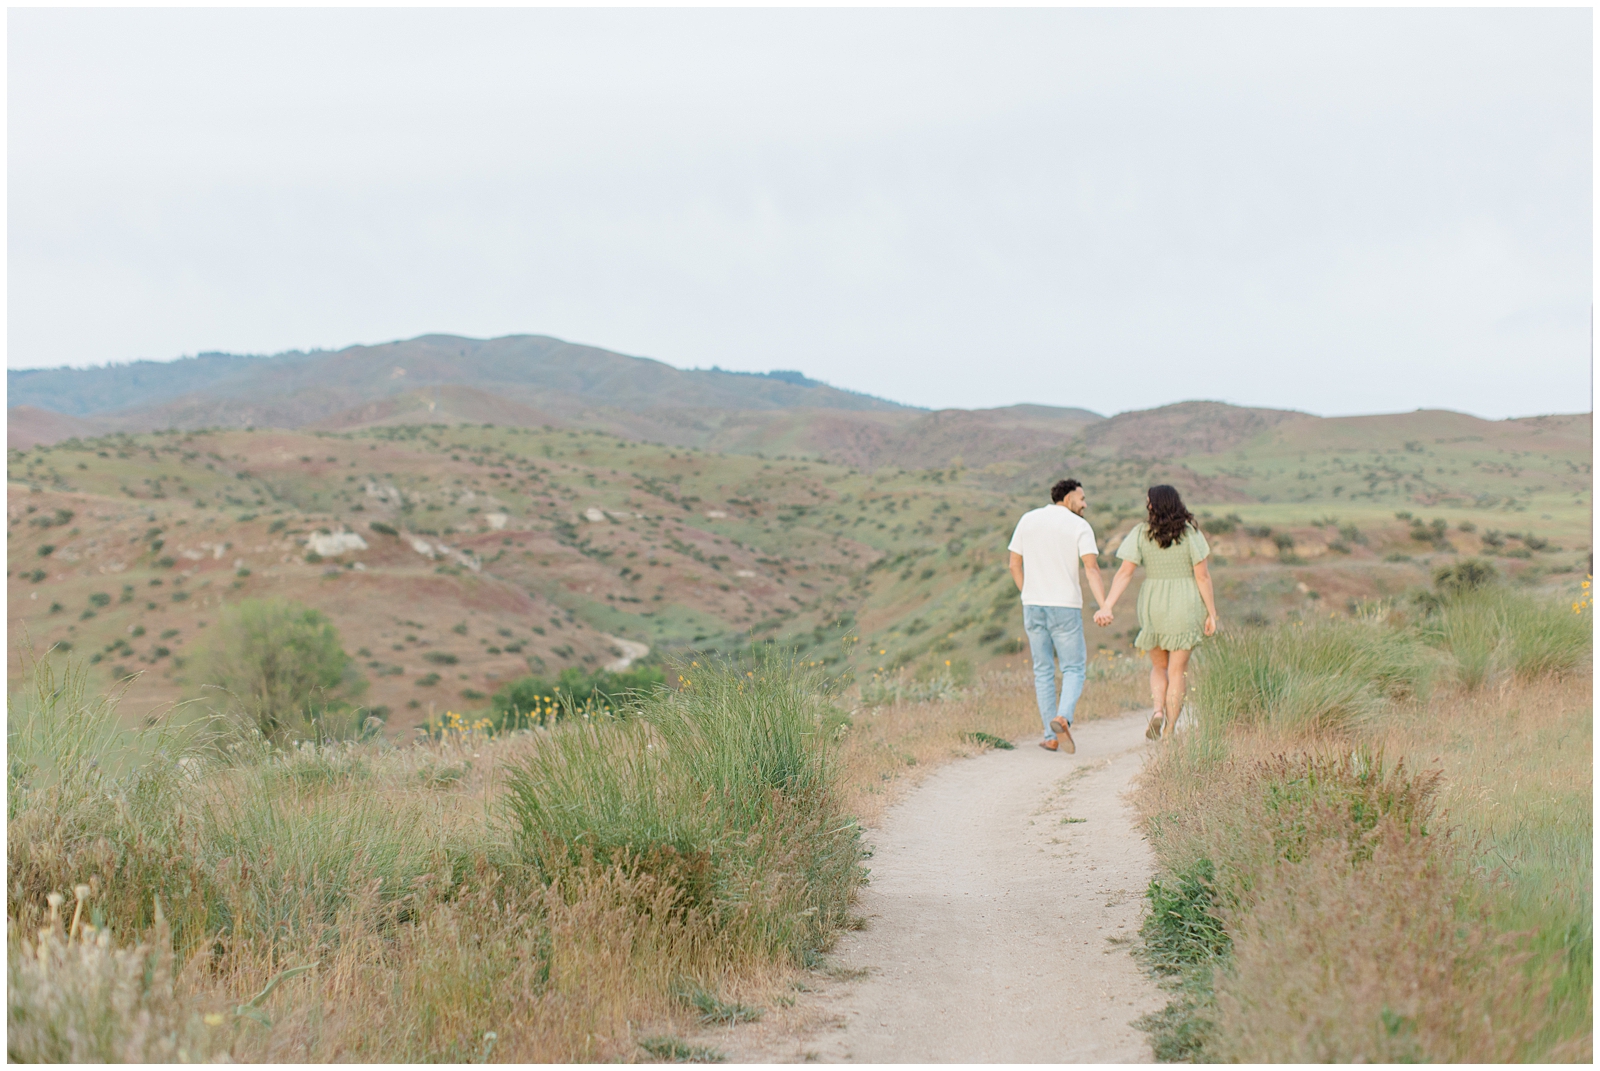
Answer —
997 931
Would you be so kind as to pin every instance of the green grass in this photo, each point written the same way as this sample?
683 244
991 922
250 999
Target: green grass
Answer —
678 1051
989 740
1323 676
1498 630
721 789
1317 901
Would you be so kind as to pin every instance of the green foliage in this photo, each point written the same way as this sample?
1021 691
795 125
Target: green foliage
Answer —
1466 575
1489 630
1182 937
678 1051
384 529
1183 929
1220 525
1327 675
713 1009
721 789
531 701
280 668
989 740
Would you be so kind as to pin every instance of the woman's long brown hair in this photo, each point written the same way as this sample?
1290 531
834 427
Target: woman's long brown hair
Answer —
1168 515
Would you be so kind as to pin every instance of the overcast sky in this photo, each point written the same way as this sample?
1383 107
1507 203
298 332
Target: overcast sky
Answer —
1338 211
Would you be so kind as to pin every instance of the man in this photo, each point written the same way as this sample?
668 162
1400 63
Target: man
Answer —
1045 551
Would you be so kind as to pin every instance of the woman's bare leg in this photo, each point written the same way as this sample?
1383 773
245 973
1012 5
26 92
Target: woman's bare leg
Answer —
1177 662
1158 679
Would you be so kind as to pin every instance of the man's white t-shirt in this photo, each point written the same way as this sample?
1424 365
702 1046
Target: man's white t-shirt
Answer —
1052 541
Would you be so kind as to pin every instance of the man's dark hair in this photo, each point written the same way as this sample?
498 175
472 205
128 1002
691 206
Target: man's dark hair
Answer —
1063 488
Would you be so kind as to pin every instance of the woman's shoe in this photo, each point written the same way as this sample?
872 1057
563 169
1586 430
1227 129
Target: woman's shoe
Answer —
1153 730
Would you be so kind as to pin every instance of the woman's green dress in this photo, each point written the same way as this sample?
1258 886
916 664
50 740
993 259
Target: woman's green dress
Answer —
1172 616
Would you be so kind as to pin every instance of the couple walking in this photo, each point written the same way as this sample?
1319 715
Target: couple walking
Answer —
1176 604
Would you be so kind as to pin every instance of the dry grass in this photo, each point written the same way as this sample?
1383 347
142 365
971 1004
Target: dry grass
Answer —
1444 918
384 871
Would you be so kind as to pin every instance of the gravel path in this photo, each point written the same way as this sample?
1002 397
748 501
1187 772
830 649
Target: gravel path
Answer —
1005 898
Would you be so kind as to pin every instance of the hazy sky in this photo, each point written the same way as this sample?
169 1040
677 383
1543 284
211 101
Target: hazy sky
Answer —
1339 211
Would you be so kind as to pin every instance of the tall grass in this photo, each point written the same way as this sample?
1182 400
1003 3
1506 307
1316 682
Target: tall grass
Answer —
1356 867
721 789
1491 632
408 900
1314 678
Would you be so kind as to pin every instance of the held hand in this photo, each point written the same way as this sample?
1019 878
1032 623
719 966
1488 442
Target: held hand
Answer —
1211 624
1103 617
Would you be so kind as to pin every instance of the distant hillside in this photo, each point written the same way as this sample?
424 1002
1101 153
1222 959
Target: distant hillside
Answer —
1218 452
85 391
28 427
296 389
1184 428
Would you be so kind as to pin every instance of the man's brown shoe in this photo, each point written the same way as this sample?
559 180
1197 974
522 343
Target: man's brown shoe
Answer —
1063 733
1049 745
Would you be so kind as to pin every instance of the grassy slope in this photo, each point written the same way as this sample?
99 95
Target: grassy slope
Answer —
883 571
1462 930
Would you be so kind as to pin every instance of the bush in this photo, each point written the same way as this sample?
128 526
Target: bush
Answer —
279 667
722 790
1220 525
1326 676
1351 534
1492 630
532 701
1466 575
383 529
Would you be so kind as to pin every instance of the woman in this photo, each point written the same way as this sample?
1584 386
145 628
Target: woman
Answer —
1176 604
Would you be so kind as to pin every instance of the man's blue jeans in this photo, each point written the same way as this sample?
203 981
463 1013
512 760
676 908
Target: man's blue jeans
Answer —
1055 633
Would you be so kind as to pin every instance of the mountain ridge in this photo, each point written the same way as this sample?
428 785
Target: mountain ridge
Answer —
324 381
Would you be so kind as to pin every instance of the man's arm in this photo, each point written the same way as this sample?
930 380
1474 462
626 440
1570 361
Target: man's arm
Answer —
1091 569
1016 569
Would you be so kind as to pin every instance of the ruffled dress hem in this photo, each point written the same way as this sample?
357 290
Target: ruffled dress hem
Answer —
1169 641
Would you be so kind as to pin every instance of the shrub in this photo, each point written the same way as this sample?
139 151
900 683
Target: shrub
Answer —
1326 676
535 701
722 790
279 667
383 529
1492 630
1466 575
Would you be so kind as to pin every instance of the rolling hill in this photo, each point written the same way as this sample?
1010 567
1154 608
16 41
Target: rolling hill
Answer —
297 389
523 505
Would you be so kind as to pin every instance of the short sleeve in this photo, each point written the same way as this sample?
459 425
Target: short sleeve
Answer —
1199 549
1016 537
1129 551
1086 544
